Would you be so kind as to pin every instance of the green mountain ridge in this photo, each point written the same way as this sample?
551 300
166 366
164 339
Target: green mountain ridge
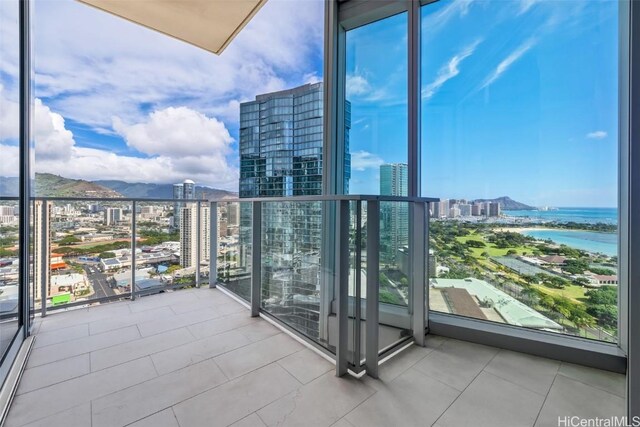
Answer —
50 185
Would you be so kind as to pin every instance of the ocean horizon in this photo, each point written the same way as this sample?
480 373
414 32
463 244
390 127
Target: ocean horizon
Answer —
592 241
586 215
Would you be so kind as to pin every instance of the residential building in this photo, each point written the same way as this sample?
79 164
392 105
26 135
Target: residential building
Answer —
42 214
184 190
465 209
189 229
494 209
113 216
394 216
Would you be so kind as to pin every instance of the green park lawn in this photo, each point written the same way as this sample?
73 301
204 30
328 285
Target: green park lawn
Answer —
490 248
576 293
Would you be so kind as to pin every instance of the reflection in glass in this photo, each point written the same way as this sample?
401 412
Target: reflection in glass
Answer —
291 234
9 169
234 247
519 142
376 91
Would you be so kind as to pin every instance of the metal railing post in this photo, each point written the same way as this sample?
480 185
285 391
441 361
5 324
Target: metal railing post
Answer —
198 243
43 257
418 259
373 288
357 339
256 257
133 250
213 244
342 287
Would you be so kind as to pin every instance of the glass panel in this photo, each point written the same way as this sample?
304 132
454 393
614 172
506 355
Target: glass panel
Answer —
9 168
291 235
376 93
82 251
158 250
234 248
192 223
520 142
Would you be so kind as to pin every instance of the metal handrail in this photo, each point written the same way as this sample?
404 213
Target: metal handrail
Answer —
318 198
419 208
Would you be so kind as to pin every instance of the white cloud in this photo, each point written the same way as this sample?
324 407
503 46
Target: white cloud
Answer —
182 144
91 66
435 22
449 70
93 164
311 78
9 166
361 160
52 140
177 132
9 116
598 134
357 85
509 61
525 5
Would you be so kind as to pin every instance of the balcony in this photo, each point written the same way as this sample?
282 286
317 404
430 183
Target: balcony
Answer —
195 357
284 333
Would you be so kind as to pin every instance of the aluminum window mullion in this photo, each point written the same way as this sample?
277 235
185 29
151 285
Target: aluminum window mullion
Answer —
630 315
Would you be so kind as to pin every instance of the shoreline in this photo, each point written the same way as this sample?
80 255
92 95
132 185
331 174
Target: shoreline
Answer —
525 229
587 248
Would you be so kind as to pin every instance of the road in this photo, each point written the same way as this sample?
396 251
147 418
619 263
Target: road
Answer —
98 281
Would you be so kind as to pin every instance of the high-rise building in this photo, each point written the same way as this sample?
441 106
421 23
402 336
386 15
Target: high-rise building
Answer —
486 208
42 246
465 209
189 227
476 209
394 215
112 216
281 144
494 209
184 190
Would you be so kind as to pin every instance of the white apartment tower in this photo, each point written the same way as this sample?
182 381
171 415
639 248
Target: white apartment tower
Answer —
113 216
42 247
189 234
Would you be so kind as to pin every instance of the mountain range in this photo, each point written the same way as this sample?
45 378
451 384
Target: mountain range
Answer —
507 204
49 185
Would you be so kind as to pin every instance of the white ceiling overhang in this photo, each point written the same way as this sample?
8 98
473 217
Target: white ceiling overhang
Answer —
208 24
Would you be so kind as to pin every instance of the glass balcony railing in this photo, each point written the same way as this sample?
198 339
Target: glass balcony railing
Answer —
289 258
92 251
351 274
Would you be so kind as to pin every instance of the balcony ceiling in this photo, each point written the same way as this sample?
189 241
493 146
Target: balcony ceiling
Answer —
208 24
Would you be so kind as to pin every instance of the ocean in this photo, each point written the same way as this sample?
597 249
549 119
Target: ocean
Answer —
583 215
606 243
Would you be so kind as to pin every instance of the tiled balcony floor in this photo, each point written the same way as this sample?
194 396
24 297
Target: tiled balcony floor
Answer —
196 358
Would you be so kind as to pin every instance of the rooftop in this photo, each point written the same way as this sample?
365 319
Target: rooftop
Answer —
196 357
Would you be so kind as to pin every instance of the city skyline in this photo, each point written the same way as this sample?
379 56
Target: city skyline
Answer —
137 136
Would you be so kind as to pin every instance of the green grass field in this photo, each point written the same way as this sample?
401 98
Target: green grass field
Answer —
576 293
490 248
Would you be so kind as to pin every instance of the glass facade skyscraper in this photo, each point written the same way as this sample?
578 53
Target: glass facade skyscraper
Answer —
395 216
281 140
281 143
184 190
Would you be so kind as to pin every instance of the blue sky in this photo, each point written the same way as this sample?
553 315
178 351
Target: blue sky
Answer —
519 99
119 101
